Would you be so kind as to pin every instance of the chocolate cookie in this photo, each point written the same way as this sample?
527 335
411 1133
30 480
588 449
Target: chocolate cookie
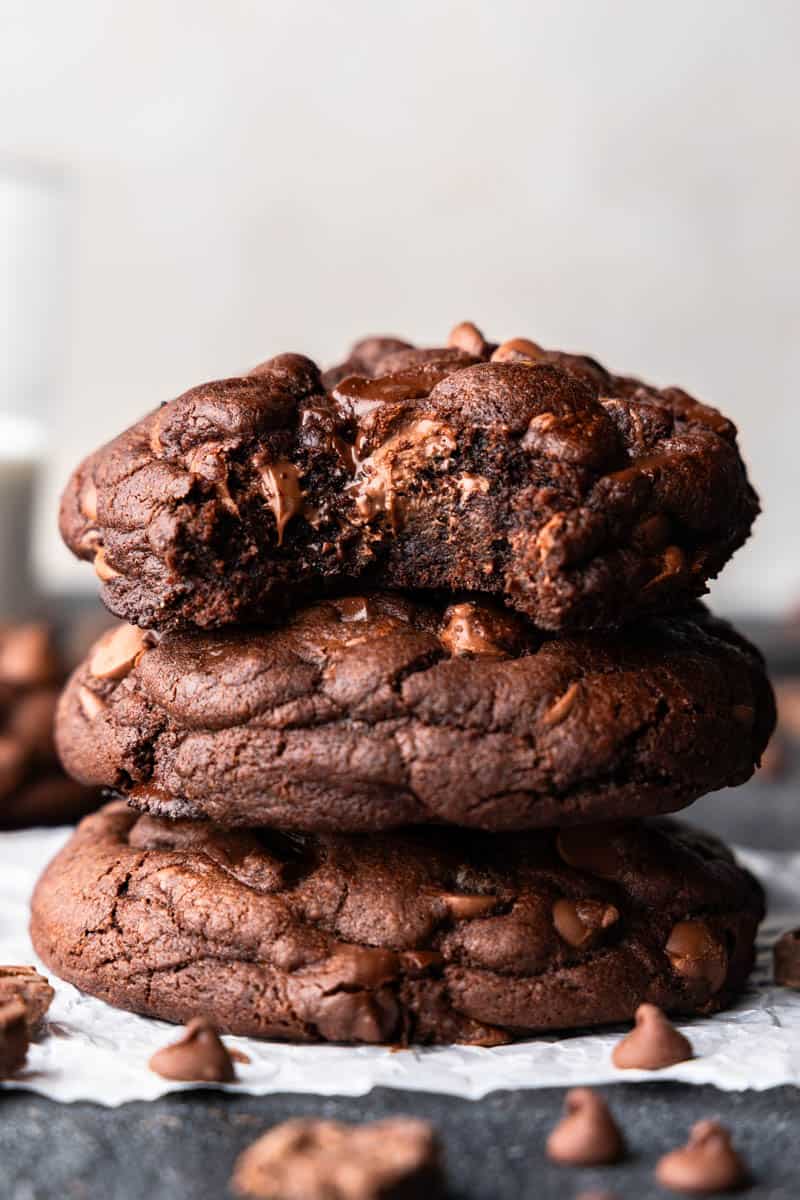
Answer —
581 498
430 935
33 788
371 712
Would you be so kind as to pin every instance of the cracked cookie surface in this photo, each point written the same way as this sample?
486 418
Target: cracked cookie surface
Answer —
428 935
375 711
580 498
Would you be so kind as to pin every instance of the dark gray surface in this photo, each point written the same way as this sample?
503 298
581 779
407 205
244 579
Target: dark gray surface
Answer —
185 1146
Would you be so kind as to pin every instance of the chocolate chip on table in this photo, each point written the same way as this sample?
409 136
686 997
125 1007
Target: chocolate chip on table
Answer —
200 1056
14 1038
315 1159
28 987
587 1135
707 1164
786 959
652 1044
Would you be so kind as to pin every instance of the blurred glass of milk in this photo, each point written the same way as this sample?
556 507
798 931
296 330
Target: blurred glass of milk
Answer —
32 293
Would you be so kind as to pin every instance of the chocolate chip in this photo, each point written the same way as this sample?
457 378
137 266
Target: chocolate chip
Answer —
589 848
87 500
562 707
117 652
13 1037
707 1163
587 1135
91 704
695 953
27 656
281 484
478 630
103 569
26 986
469 338
786 959
199 1057
518 350
653 1043
313 1159
581 923
466 908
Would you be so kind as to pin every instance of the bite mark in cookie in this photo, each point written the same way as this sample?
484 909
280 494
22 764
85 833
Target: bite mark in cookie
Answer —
580 498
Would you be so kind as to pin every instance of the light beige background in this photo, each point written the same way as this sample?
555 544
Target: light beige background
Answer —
620 176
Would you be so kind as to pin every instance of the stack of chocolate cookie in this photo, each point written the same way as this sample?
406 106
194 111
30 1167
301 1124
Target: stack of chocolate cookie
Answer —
415 661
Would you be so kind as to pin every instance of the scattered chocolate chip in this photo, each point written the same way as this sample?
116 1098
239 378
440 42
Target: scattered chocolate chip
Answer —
27 656
311 1159
581 923
199 1057
653 1043
696 954
26 985
117 651
786 959
707 1163
13 1037
587 1135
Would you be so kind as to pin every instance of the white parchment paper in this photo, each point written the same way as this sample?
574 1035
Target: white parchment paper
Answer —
94 1052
